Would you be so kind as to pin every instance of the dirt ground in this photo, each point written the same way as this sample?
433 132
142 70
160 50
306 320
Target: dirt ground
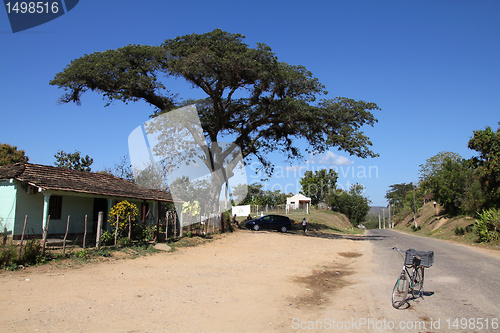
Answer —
243 282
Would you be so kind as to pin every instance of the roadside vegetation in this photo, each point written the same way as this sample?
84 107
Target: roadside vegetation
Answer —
455 198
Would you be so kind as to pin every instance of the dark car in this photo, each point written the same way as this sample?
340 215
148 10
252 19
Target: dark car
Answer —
275 222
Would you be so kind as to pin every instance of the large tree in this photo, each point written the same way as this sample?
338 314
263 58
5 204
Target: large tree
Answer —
10 154
433 165
397 193
487 143
319 185
263 104
352 204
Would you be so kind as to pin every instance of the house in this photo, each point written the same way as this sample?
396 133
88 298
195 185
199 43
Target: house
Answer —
38 191
298 201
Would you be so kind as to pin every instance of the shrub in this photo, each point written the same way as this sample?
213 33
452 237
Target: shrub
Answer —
487 226
124 210
32 252
459 231
124 242
82 254
8 255
108 238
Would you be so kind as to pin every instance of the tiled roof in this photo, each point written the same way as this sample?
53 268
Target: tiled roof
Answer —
62 179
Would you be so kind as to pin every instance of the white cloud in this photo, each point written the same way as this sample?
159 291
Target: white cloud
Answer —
329 158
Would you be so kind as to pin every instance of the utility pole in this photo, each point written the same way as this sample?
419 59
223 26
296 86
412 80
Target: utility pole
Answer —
383 213
390 224
414 209
379 221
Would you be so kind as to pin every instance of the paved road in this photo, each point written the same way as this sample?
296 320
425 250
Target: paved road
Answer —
463 284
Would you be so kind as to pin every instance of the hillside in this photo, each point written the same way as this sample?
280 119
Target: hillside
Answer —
433 222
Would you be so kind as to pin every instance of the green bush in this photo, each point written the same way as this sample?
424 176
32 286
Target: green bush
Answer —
124 242
459 231
32 252
108 238
82 254
487 226
8 255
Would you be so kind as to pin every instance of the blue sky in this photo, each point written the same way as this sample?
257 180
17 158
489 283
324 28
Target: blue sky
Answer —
431 66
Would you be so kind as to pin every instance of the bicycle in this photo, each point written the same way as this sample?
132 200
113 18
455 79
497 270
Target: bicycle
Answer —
414 261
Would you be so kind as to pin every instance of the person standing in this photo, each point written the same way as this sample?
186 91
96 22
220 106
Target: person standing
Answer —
304 225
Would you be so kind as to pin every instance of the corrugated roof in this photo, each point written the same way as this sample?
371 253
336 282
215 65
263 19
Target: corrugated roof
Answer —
62 179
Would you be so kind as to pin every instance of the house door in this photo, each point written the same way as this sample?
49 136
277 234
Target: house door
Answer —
100 205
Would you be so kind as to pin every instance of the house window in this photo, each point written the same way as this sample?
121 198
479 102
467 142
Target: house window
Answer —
55 207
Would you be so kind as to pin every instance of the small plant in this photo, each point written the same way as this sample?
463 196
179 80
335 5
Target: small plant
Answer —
8 255
32 252
459 231
487 226
124 242
102 253
82 254
416 228
107 238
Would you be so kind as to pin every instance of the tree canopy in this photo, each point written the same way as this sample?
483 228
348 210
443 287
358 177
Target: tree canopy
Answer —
10 154
261 102
319 185
352 204
487 143
73 161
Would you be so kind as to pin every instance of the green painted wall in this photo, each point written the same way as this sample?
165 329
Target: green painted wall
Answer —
76 207
31 205
7 205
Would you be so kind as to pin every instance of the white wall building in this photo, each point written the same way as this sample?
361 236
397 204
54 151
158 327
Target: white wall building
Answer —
298 201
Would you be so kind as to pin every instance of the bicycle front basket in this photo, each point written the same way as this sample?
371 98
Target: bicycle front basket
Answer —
426 261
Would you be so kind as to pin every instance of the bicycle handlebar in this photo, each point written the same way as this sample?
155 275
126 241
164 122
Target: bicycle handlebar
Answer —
413 253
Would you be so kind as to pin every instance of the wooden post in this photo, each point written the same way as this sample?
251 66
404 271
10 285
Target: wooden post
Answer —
65 235
4 240
157 233
181 222
44 234
166 226
22 236
116 229
175 225
85 232
222 225
98 231
129 227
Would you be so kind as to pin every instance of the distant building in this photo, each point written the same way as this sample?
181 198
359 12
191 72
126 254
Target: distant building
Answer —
298 201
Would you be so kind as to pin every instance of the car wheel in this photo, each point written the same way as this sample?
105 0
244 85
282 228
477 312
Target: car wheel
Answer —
283 229
256 227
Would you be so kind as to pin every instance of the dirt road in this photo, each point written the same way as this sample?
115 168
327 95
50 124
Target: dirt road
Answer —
245 281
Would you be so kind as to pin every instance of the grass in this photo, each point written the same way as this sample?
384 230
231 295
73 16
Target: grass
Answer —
326 221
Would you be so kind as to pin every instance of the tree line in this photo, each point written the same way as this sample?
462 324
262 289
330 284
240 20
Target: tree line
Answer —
461 186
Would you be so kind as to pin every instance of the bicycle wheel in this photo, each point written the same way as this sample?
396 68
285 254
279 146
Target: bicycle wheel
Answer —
400 290
418 283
